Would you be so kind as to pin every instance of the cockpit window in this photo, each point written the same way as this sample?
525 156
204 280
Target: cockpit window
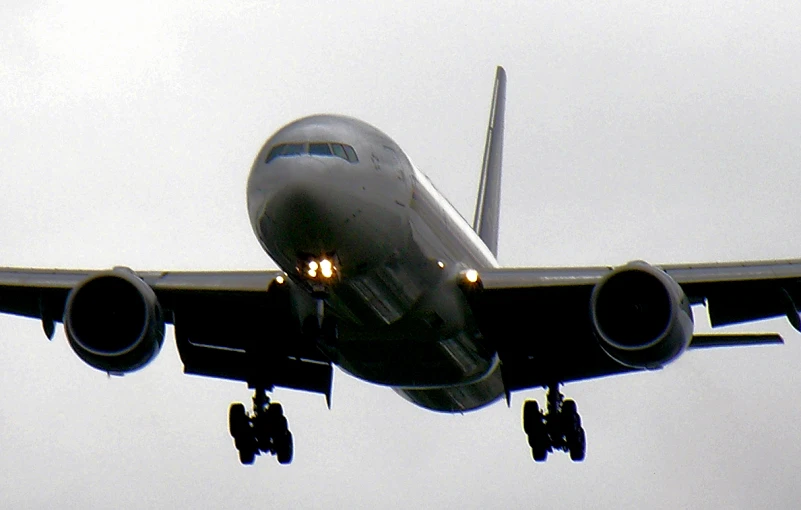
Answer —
319 149
294 149
274 153
351 154
338 150
286 149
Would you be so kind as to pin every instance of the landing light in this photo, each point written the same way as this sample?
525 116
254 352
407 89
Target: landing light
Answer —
471 275
319 269
326 268
279 280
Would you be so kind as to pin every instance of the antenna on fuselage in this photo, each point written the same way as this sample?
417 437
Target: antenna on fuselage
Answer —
488 204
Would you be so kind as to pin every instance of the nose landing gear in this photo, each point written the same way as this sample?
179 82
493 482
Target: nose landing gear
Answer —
264 430
557 429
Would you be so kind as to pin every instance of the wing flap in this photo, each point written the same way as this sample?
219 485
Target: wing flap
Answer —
734 340
529 278
287 372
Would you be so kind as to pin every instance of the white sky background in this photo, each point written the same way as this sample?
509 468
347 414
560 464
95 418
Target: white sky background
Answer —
670 133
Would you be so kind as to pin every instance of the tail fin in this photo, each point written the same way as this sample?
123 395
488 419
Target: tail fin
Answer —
485 222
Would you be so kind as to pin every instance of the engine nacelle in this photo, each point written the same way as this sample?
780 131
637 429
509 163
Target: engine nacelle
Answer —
114 322
641 316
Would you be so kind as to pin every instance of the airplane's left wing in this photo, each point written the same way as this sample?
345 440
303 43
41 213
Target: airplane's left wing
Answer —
231 325
541 319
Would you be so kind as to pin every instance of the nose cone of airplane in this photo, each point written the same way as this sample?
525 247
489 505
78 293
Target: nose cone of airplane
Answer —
308 206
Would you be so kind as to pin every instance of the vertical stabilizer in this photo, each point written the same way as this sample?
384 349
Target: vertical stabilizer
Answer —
488 204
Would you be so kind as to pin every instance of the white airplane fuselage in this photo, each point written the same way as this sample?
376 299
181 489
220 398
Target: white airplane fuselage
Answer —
398 249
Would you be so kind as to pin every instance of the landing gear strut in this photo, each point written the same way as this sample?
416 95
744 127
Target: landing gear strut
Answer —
263 430
557 429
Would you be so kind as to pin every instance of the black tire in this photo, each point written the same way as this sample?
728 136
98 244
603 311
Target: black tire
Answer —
532 418
262 432
276 422
285 449
247 456
578 447
539 452
237 419
275 408
571 421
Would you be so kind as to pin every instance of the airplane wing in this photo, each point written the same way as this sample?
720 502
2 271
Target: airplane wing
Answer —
540 318
225 323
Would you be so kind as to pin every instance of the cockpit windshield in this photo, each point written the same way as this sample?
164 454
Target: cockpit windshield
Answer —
325 149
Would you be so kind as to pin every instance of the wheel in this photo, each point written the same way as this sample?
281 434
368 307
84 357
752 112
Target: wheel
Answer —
578 447
275 408
532 417
570 417
247 455
539 453
246 441
269 426
237 419
285 448
262 432
539 442
275 422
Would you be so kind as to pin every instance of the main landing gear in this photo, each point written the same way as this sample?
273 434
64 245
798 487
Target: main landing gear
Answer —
264 430
557 429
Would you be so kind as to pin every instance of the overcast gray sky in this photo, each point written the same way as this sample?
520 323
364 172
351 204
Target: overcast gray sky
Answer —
669 132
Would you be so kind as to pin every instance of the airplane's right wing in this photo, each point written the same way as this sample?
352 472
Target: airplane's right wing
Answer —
540 319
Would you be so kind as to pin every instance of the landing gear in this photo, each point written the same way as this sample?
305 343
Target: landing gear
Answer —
557 429
264 430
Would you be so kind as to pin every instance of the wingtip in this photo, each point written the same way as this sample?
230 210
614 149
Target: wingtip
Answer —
500 72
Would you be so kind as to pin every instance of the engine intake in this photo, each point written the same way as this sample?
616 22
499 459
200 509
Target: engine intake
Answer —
114 322
641 316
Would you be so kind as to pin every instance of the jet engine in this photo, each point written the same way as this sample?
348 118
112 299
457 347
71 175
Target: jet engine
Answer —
114 322
641 316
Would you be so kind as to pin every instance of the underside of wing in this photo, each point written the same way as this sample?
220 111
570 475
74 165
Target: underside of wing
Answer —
743 291
548 324
232 325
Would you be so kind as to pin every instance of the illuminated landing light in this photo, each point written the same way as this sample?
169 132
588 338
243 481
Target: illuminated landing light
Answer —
471 275
279 280
441 264
326 268
320 270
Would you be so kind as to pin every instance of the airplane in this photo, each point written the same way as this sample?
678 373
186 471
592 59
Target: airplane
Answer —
381 276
